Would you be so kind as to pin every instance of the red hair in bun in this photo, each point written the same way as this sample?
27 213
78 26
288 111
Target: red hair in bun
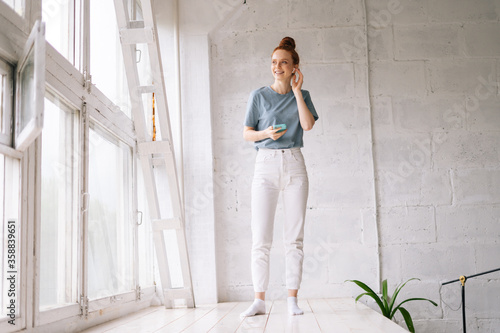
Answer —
288 44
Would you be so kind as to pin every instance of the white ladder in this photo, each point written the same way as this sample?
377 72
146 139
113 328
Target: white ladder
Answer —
156 157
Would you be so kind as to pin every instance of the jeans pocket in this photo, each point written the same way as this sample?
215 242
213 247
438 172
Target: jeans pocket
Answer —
298 157
261 157
264 156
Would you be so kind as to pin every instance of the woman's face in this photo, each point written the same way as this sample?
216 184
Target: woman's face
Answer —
282 65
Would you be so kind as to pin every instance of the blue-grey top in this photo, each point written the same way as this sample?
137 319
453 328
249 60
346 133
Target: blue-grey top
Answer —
266 108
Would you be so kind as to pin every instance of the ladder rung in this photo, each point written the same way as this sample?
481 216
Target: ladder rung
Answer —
161 160
166 224
178 293
136 24
146 89
154 147
137 36
157 161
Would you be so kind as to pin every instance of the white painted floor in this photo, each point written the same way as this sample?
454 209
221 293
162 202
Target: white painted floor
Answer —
339 315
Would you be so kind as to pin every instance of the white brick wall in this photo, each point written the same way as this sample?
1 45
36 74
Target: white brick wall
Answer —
463 10
484 116
407 225
459 76
340 78
457 223
402 11
337 82
428 113
341 44
433 68
399 78
477 186
321 13
481 39
422 42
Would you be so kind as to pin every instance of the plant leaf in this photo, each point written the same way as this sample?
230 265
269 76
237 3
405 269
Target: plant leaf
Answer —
361 295
407 318
395 295
384 293
372 294
409 300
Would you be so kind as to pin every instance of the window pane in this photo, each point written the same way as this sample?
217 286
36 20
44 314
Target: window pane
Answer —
144 65
10 235
106 58
152 123
110 226
17 5
59 213
145 235
59 27
134 8
2 79
169 236
28 90
6 90
174 259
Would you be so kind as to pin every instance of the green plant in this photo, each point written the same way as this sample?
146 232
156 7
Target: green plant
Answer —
387 303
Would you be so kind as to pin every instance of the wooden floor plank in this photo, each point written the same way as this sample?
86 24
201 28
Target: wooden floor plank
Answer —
361 318
152 322
182 323
277 317
105 327
232 320
327 320
207 322
281 321
341 315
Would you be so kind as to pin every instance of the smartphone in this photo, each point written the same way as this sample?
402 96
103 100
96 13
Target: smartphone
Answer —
283 127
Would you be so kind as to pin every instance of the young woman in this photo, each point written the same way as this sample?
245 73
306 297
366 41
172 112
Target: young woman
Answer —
279 168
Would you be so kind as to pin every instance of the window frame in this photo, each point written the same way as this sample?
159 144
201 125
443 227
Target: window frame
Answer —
113 139
26 135
6 102
73 84
47 316
74 35
20 321
13 16
94 108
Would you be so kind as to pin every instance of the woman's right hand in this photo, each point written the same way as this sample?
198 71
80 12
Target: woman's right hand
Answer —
273 133
250 134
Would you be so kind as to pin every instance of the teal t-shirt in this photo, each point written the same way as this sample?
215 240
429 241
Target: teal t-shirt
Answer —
266 108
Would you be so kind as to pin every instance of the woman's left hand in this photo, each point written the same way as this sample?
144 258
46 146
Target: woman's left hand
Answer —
297 81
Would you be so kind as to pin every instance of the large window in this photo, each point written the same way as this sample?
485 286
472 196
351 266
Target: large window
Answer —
110 222
63 27
106 57
68 186
10 232
59 208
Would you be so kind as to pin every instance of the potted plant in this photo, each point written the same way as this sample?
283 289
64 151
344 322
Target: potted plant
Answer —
387 303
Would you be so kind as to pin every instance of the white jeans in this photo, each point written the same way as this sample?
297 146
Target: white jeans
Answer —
278 171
